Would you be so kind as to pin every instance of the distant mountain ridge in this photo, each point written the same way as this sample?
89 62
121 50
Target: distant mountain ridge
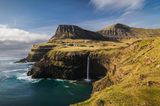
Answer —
114 32
75 32
117 31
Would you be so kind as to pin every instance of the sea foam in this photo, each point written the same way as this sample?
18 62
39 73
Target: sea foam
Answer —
24 77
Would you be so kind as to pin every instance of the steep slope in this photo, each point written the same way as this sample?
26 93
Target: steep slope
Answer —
75 32
117 32
142 32
38 51
133 78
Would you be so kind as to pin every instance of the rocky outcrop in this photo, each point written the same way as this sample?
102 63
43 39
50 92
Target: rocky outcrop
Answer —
37 52
75 32
69 65
24 60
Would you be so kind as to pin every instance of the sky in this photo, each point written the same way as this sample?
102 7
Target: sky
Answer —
24 22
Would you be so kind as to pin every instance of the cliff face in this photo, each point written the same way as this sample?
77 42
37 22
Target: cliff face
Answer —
38 51
75 32
69 65
68 59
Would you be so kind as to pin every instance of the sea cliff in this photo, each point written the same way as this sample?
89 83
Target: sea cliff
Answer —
124 63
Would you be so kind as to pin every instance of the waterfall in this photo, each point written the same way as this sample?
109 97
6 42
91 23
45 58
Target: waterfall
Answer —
88 69
88 66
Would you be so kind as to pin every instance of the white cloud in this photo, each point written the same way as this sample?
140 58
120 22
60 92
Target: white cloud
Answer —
128 5
18 35
15 42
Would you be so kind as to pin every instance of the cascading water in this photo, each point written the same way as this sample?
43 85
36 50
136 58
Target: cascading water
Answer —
88 69
88 66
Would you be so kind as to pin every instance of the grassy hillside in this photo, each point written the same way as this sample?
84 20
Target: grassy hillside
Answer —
141 32
120 31
135 76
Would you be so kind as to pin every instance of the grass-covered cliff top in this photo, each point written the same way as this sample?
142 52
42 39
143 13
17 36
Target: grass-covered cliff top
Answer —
135 77
69 45
133 71
78 46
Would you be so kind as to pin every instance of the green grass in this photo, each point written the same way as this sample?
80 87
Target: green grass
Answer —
137 75
136 80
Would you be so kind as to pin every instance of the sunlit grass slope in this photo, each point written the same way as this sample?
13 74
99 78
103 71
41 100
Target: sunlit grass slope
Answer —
136 78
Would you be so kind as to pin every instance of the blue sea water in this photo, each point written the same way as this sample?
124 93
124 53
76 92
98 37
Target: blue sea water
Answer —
17 89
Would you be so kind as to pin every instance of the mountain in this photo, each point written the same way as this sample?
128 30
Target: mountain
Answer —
120 31
117 31
75 32
113 32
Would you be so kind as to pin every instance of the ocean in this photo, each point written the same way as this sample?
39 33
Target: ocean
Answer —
18 89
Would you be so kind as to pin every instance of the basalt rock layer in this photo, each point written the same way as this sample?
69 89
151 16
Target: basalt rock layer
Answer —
69 65
38 51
